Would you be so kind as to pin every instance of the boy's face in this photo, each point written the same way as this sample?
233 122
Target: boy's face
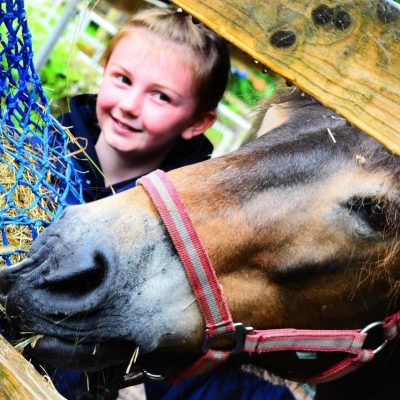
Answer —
146 99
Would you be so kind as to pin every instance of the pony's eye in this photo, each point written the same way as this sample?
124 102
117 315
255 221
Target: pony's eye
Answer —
374 210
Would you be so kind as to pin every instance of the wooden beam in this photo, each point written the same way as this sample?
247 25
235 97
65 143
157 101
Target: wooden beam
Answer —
19 380
345 53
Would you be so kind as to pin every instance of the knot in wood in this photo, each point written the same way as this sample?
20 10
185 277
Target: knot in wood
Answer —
342 20
322 15
282 39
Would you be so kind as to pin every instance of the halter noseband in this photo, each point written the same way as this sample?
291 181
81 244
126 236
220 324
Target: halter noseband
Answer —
215 310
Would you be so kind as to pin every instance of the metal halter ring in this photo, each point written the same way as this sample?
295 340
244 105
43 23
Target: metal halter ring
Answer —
238 336
368 328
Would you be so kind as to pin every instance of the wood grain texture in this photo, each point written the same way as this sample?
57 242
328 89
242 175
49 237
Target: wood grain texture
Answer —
19 380
345 53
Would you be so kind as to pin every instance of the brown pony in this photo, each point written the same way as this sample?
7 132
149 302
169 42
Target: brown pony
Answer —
301 227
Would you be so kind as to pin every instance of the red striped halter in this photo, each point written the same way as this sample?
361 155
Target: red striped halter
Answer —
215 310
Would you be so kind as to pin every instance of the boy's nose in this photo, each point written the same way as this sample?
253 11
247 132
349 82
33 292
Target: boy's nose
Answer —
132 103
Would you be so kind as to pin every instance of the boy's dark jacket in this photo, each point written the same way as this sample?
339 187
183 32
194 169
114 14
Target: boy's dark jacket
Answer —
225 383
82 123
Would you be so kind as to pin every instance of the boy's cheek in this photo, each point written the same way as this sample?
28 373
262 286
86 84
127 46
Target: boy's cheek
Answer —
106 95
104 103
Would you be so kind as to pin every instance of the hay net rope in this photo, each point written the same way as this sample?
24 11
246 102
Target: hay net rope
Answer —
37 174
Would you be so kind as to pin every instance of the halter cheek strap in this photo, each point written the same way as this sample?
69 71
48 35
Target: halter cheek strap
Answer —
215 310
201 275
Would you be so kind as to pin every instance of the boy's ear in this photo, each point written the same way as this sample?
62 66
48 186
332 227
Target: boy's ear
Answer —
200 125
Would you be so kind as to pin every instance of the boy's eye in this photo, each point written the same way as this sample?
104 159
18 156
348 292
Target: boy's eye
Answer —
162 97
123 79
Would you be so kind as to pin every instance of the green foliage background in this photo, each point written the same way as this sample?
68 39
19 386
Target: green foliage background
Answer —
65 74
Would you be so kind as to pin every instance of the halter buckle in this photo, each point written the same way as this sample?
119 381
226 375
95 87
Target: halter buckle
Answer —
372 326
138 377
238 336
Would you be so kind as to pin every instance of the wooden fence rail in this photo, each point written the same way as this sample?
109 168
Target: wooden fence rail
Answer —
345 53
19 380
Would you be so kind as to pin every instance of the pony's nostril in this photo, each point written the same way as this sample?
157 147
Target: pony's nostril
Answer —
80 281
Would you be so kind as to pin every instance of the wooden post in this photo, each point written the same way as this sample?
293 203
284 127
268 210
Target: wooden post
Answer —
345 53
19 380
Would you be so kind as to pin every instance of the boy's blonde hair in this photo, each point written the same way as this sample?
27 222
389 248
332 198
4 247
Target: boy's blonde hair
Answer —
211 56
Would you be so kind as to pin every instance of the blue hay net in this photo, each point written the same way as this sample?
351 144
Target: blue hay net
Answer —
36 170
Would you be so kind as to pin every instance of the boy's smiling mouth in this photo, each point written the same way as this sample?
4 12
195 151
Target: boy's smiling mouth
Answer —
122 125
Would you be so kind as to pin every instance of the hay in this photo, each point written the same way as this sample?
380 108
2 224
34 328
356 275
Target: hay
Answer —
31 339
23 192
133 359
26 192
38 206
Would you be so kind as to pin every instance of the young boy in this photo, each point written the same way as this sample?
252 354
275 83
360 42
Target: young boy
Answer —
163 77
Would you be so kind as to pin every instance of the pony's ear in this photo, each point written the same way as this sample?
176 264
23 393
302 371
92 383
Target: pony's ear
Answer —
200 125
273 118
